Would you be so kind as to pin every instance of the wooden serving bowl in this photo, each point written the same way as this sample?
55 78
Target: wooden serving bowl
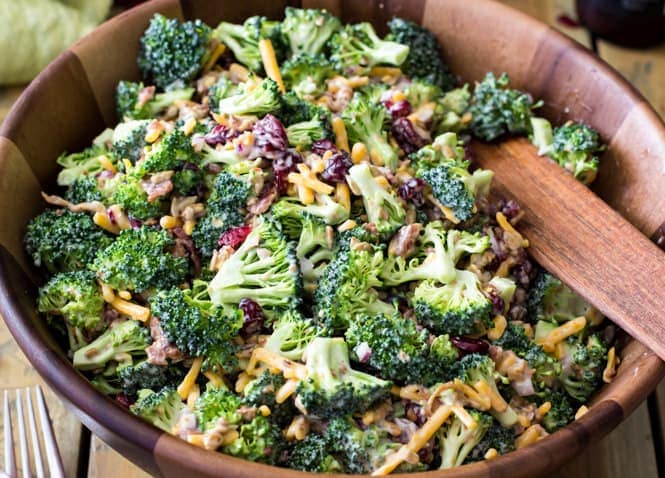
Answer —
72 101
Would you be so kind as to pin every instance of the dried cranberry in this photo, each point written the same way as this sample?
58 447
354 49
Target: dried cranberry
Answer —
253 317
234 236
406 136
321 146
467 345
270 137
398 109
282 166
220 134
337 167
412 190
111 215
135 223
190 167
498 304
122 400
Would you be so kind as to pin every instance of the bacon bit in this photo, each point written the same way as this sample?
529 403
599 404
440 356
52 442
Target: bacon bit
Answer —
610 370
145 95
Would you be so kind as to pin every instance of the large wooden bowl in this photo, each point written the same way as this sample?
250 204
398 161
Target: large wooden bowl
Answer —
72 101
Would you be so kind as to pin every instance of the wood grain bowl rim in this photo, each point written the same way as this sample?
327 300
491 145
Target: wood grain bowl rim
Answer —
163 454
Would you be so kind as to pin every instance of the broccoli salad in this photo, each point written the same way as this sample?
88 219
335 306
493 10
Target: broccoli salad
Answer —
284 252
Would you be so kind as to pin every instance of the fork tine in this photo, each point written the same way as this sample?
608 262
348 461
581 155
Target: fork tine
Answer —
23 441
52 453
10 463
36 447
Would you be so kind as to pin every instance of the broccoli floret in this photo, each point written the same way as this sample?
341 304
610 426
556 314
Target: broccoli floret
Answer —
263 99
261 391
128 139
546 368
259 440
474 368
551 299
106 385
331 387
308 30
128 106
424 59
172 52
159 408
75 165
121 343
450 109
561 413
358 47
306 74
61 240
313 454
456 440
302 135
364 122
139 260
224 88
396 349
505 288
296 110
197 327
437 255
290 212
84 189
448 176
214 405
292 334
457 308
172 152
420 92
314 249
383 207
585 359
348 285
143 374
127 191
575 147
264 268
243 40
224 211
499 110
74 296
498 438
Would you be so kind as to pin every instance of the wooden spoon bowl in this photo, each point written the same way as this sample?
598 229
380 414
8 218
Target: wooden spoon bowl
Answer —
72 101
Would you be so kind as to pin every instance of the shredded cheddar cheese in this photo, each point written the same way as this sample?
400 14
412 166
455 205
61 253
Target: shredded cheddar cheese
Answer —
447 212
610 369
241 382
496 400
346 225
530 436
508 227
103 221
286 390
190 379
499 327
359 153
193 395
218 51
298 429
264 410
491 454
341 138
343 196
270 63
130 309
107 164
581 412
213 378
561 333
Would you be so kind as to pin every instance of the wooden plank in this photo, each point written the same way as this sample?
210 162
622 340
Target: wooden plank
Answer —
645 69
105 462
16 371
659 418
627 451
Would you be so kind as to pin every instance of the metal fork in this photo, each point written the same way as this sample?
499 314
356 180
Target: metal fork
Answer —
24 408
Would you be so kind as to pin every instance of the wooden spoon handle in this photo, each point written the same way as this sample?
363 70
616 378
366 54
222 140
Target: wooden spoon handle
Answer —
581 240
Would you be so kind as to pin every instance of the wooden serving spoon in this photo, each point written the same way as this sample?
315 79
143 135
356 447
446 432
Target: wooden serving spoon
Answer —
580 239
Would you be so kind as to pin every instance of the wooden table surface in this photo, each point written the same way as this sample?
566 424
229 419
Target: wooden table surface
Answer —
634 449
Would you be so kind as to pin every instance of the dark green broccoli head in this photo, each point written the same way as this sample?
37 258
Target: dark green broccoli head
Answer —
313 454
331 387
456 308
217 404
263 99
357 47
364 121
302 135
261 391
243 40
456 441
139 260
307 30
129 140
130 105
143 374
264 268
159 408
551 299
306 73
561 413
127 191
424 60
296 110
172 52
259 440
290 213
585 359
575 147
87 162
172 152
498 110
61 240
197 327
121 343
84 189
497 437
223 88
347 287
76 297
